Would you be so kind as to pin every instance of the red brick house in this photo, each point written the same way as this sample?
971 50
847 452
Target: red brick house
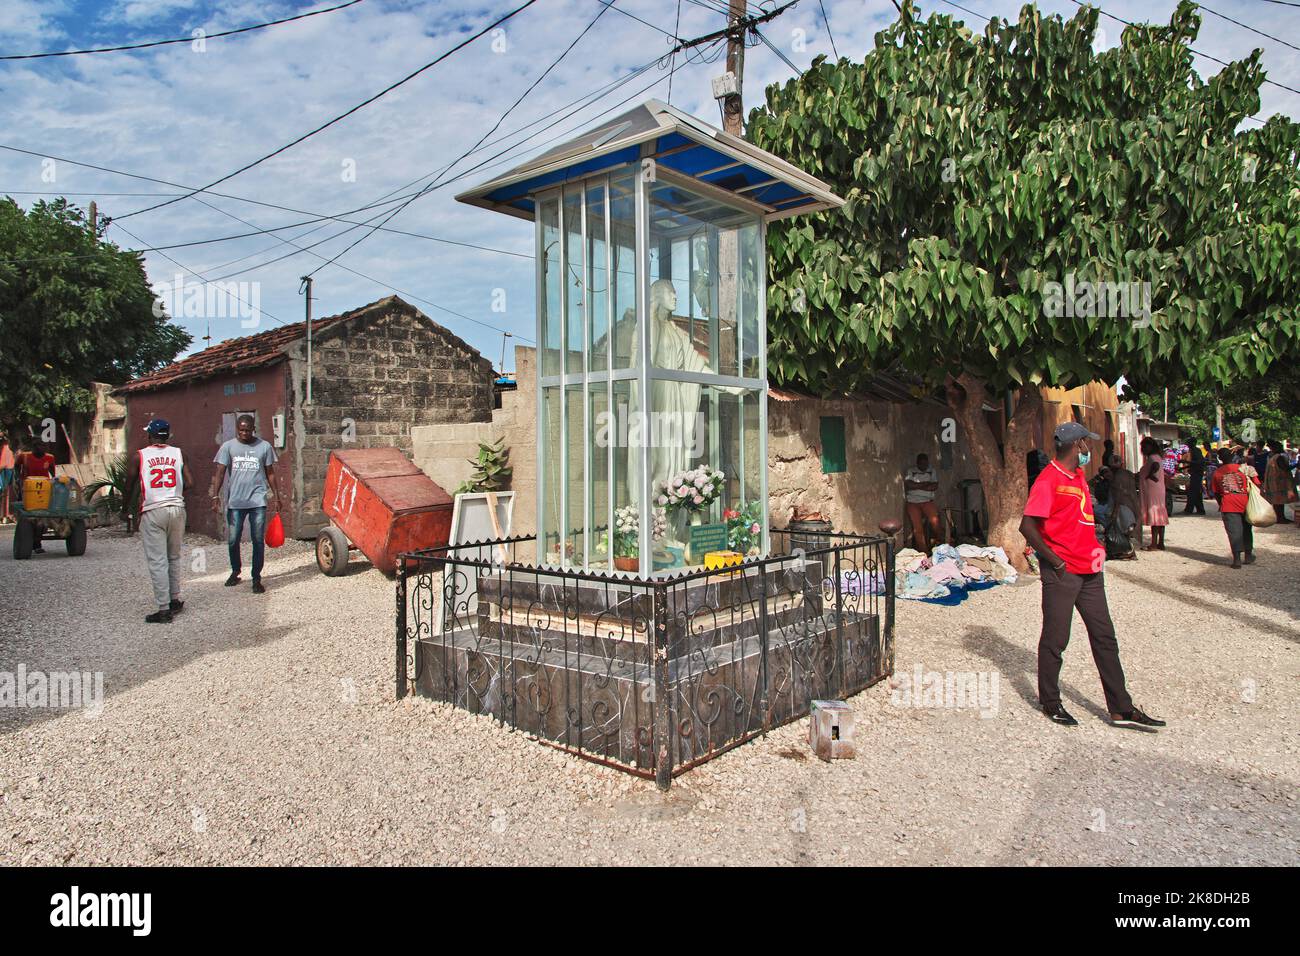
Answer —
376 371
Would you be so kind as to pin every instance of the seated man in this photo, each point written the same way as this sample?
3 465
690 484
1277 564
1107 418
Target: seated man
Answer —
919 485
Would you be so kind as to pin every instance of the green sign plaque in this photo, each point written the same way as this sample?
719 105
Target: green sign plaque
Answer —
706 538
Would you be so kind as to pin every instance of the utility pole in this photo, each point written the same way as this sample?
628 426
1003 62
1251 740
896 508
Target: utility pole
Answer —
306 284
93 220
733 110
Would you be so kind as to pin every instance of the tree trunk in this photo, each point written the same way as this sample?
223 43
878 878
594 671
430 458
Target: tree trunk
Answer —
1003 475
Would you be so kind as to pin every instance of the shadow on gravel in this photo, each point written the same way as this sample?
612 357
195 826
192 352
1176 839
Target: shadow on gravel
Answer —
86 614
1278 593
1019 666
1136 806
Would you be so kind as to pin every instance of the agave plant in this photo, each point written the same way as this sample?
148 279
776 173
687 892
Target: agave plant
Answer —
491 471
113 486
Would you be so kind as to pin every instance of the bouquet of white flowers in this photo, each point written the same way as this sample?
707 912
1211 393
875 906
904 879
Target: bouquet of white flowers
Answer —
627 530
691 490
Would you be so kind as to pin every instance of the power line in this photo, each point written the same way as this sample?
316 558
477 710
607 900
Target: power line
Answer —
777 50
1244 26
827 20
1214 59
188 39
573 108
364 103
181 265
495 126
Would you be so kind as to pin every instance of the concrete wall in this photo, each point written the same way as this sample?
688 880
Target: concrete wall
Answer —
882 442
375 380
195 411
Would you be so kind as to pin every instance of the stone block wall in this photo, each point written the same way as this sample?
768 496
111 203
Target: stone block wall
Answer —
375 378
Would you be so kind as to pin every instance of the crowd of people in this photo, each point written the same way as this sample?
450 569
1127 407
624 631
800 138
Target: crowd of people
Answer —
1073 525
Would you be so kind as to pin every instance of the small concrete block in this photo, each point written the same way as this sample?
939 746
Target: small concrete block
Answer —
830 730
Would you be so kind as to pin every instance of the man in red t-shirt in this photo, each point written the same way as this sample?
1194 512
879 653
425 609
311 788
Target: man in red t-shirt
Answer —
1058 524
36 463
1230 488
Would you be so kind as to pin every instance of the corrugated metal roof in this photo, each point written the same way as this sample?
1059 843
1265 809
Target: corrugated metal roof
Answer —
677 141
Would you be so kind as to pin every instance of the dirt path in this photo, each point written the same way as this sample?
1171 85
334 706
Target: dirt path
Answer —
262 730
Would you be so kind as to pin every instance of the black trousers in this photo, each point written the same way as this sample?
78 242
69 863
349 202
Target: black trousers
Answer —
1063 592
1195 497
1241 536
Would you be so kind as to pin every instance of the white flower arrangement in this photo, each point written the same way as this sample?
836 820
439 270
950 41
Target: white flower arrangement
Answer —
691 490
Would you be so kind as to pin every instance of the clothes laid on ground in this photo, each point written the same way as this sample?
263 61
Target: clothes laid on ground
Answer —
949 571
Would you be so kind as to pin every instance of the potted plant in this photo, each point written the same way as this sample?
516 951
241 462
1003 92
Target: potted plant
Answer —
627 536
745 528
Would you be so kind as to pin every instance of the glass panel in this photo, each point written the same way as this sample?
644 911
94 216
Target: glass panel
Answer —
625 455
753 275
707 472
550 484
604 433
574 257
622 203
704 268
575 478
598 279
551 285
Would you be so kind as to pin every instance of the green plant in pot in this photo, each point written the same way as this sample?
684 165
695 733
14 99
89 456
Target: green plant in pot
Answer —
627 536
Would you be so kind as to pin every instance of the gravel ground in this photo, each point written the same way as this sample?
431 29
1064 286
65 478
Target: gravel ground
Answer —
263 730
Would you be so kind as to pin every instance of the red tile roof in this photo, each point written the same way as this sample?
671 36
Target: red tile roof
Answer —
240 355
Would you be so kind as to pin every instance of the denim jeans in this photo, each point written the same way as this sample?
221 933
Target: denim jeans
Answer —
256 530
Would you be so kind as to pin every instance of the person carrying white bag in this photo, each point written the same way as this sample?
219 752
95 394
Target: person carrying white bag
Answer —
1235 485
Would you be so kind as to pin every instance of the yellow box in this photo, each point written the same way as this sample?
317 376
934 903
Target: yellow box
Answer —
722 559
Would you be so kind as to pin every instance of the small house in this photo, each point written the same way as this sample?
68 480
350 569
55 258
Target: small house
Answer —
374 373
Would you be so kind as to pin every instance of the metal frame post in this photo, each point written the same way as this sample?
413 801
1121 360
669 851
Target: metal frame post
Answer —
401 676
663 705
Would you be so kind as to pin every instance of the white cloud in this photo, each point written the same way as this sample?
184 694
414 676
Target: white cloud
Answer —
191 117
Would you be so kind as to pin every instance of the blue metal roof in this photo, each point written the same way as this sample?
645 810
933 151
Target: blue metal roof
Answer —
673 139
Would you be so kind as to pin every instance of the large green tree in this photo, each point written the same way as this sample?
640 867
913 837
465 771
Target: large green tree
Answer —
988 177
74 309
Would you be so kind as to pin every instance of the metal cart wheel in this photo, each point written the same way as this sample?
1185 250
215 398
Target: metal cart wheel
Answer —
76 539
331 551
24 539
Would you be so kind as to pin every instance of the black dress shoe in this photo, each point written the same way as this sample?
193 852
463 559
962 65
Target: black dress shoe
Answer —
158 617
1060 715
1135 718
177 606
232 580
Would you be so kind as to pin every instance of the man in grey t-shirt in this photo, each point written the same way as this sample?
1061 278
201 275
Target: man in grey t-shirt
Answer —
250 461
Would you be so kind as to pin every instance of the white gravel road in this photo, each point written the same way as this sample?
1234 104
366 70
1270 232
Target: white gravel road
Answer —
263 730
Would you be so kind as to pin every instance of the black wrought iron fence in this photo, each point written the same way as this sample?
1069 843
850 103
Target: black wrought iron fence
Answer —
650 676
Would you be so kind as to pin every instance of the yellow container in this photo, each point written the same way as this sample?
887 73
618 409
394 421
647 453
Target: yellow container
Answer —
722 559
36 493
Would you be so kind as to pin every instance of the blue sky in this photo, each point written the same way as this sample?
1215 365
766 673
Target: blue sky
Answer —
191 116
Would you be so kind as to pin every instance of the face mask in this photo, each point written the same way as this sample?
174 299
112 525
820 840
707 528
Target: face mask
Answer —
1085 457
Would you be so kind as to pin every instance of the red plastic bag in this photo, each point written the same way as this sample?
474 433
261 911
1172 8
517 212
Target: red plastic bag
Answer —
275 531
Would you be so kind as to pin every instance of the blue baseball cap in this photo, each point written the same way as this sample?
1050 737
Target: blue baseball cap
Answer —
159 426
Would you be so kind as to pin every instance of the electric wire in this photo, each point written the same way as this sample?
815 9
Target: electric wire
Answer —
362 105
188 39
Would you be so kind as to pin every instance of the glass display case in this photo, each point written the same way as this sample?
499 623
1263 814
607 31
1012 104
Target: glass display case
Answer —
649 287
652 366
